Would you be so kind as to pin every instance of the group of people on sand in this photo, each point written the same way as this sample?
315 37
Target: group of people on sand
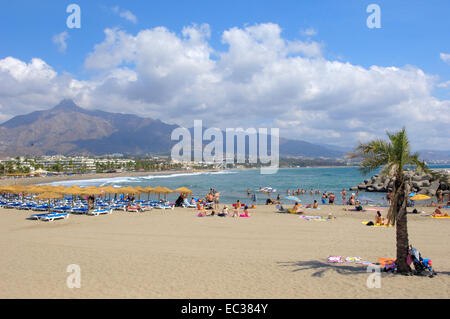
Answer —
225 211
213 198
330 197
379 221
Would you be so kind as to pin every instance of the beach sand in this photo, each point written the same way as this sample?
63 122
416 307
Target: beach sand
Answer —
174 254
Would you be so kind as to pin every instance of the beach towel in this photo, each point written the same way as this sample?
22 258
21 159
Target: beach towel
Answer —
314 218
376 225
335 259
440 216
355 260
385 261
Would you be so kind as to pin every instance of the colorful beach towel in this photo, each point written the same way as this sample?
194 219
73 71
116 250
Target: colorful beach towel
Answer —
315 218
376 225
335 259
355 260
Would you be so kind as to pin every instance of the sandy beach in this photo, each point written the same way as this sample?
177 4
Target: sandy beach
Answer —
175 254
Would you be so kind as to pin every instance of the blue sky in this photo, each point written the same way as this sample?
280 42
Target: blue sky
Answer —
413 33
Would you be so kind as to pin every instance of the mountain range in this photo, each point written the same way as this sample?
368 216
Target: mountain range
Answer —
71 130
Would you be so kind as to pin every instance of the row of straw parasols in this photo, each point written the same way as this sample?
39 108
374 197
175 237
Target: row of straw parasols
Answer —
53 192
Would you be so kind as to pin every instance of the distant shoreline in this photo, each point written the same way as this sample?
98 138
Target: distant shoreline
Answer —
62 178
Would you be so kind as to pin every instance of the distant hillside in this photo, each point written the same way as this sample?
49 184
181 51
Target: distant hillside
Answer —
69 129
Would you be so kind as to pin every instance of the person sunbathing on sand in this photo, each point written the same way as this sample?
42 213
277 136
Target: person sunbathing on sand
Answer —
246 213
380 220
439 213
297 208
316 204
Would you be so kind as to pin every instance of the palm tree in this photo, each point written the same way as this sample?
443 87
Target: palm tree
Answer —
393 156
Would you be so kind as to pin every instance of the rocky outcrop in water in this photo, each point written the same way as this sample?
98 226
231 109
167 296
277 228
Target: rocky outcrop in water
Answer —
422 183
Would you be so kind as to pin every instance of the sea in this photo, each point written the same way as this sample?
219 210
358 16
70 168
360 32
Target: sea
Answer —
233 184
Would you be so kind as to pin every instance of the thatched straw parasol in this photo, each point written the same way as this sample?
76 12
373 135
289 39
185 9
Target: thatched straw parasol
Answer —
49 196
183 190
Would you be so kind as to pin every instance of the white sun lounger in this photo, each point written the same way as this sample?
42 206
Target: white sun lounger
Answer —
164 207
52 217
99 212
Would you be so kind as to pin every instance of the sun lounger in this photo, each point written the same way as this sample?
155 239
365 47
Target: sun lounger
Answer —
164 207
52 217
79 210
134 208
118 207
38 216
99 212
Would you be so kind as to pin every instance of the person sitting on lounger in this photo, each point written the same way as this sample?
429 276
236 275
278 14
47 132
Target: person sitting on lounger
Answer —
439 213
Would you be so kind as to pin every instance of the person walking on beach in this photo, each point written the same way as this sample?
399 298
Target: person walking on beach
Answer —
236 209
344 197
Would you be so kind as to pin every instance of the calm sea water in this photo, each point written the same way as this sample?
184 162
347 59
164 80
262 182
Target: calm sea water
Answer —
233 184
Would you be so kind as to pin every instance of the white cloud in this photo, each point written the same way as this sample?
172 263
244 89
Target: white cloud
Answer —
60 41
445 57
126 14
259 78
309 32
445 84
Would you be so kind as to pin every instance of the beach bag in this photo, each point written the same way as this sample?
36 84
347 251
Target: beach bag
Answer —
370 223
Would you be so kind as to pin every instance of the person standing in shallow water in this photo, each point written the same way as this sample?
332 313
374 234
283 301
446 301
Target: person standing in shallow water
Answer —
216 201
344 196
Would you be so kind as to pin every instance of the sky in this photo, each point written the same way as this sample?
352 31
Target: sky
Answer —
313 69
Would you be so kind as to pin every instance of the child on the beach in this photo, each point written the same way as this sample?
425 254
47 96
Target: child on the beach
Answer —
236 208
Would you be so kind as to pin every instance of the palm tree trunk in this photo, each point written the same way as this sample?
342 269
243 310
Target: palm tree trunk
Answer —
402 227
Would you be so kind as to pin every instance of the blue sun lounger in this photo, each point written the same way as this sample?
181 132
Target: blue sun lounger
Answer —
79 210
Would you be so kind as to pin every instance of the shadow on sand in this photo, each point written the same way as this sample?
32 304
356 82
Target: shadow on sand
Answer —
320 267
